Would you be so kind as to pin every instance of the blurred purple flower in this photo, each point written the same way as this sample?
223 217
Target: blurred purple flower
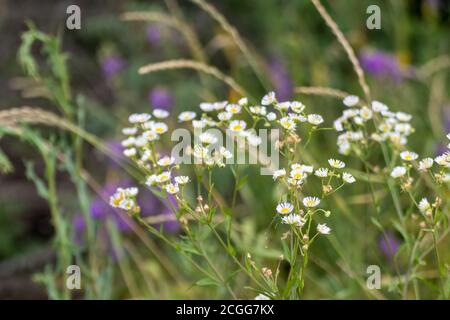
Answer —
446 117
389 244
281 80
160 98
112 65
153 35
442 147
384 65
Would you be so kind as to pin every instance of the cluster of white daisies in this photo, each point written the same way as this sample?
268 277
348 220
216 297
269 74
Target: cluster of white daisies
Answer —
298 219
139 147
125 199
300 172
287 114
409 161
391 126
296 178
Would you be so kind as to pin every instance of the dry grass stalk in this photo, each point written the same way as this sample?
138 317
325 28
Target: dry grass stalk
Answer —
345 44
223 22
195 65
322 91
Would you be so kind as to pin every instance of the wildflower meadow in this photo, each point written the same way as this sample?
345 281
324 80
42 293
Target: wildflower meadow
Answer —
225 150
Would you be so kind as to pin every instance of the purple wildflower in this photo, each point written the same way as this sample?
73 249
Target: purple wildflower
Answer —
112 65
389 244
442 147
281 80
384 65
160 98
153 35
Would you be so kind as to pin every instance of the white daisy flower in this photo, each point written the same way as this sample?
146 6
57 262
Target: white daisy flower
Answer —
186 116
269 99
378 106
161 113
147 125
131 152
283 106
398 172
129 131
220 105
389 114
403 128
307 169
233 108
347 177
424 205
408 155
116 198
288 123
262 297
172 188
425 164
279 174
285 208
146 156
442 161
163 177
140 142
150 135
237 125
129 142
131 192
200 152
224 116
243 101
151 180
139 117
335 163
254 140
294 220
351 101
127 204
366 113
338 125
315 119
258 110
297 106
160 127
323 229
321 172
311 202
225 153
182 180
271 116
166 161
350 113
206 106
294 182
402 116
298 174
199 124
208 138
